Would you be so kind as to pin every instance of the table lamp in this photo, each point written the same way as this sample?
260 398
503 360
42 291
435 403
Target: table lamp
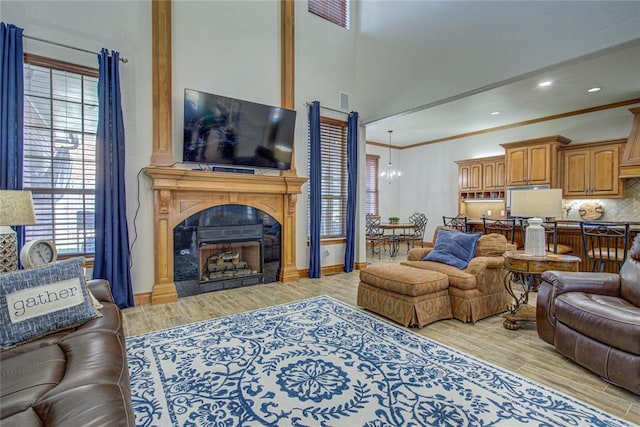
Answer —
536 204
16 208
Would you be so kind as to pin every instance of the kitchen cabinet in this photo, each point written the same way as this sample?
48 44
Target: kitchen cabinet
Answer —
481 178
470 176
534 161
592 170
493 173
481 182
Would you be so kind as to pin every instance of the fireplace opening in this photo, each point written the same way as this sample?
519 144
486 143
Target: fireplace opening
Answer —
225 247
230 256
220 262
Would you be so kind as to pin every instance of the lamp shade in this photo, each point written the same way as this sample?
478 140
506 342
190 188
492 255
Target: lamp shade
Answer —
16 208
537 203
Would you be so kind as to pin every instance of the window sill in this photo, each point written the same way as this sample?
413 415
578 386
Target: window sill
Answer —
327 242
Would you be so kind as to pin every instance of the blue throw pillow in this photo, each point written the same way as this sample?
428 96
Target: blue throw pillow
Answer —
40 301
454 248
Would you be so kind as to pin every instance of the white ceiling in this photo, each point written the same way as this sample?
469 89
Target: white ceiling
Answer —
615 69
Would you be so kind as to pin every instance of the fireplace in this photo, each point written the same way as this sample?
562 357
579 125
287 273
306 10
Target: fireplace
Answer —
180 193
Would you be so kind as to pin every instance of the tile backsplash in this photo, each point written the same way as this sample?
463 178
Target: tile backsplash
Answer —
627 209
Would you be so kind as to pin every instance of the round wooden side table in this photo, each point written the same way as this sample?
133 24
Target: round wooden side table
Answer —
525 270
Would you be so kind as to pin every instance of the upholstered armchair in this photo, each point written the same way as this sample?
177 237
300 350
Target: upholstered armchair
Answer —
594 319
478 290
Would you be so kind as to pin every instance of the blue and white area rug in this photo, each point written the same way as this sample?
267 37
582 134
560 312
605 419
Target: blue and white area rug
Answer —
319 362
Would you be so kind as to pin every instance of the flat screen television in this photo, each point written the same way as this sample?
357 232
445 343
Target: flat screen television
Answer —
222 131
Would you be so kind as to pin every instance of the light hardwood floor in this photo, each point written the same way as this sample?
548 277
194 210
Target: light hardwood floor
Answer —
518 351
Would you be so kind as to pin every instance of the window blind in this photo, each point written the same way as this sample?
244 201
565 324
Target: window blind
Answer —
371 204
60 125
333 141
336 11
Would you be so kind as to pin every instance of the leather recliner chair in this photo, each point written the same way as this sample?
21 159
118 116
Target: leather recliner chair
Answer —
594 319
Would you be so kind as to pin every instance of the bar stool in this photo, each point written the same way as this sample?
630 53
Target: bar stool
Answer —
605 243
506 227
550 234
456 222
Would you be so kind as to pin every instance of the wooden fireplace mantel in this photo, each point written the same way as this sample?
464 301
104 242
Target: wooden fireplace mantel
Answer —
180 193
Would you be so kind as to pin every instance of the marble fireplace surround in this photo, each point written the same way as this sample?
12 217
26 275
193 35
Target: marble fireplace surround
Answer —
180 193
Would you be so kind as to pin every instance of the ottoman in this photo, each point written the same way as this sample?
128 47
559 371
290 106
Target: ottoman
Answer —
407 295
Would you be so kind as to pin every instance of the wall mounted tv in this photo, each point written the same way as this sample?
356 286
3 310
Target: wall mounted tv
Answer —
222 131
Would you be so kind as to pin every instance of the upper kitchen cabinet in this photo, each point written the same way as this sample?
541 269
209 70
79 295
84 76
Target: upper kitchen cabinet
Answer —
481 178
592 170
493 173
481 187
469 176
534 161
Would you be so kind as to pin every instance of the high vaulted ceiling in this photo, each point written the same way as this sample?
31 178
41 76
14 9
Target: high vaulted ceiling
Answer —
448 65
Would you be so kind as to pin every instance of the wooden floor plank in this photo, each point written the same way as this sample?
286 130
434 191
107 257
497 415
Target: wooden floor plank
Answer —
520 351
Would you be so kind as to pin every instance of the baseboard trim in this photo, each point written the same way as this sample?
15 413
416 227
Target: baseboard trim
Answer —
142 299
360 265
332 269
324 271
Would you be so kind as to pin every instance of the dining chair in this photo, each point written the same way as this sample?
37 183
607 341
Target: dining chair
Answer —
420 221
605 243
456 222
550 234
375 236
506 227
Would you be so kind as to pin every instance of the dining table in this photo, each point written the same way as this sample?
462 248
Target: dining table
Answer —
398 230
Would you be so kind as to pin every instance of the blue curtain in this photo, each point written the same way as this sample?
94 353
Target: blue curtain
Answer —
315 191
352 190
11 111
112 235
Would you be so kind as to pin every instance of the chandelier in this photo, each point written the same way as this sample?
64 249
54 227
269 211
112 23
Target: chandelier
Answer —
390 174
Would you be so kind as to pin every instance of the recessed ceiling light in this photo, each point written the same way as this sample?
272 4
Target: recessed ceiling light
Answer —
545 83
594 89
495 113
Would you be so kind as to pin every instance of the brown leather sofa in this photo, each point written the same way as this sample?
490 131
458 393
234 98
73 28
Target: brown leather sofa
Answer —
478 290
75 377
594 319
